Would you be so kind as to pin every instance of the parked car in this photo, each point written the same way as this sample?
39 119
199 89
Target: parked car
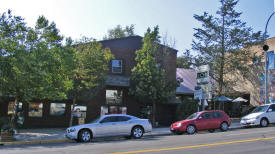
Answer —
205 120
261 115
110 125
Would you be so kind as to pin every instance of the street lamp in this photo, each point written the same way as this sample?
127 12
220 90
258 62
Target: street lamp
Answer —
265 48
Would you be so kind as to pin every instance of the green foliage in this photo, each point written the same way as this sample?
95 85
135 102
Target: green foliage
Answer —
223 42
3 121
148 79
5 124
35 65
119 32
186 108
86 64
30 59
149 83
88 68
185 61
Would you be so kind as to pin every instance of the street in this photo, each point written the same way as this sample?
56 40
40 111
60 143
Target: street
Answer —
249 140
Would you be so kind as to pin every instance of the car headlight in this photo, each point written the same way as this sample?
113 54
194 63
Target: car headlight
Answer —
70 130
257 117
178 125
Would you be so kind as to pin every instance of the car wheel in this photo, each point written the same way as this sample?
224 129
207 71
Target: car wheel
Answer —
224 126
137 132
191 129
85 135
264 122
211 130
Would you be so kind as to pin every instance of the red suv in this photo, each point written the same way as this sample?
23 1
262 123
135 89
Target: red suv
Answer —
205 120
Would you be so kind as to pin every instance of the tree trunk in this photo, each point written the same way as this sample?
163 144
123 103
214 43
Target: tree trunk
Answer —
154 114
14 116
222 58
72 110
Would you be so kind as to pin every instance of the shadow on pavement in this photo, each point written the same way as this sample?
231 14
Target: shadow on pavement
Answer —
73 143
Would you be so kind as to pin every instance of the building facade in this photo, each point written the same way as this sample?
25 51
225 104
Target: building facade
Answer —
112 98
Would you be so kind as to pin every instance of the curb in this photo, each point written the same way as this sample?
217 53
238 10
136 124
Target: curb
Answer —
37 142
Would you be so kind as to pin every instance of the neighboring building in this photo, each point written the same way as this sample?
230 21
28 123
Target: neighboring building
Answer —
112 98
251 84
188 80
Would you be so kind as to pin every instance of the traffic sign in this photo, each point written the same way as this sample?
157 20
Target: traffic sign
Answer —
198 94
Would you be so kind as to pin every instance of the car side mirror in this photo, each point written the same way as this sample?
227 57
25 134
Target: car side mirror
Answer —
200 118
269 110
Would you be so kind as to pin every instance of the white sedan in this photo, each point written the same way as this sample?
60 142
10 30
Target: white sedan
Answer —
110 125
261 115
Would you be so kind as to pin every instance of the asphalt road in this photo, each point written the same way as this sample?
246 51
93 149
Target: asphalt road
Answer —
238 141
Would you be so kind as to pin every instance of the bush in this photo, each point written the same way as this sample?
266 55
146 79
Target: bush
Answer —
186 108
4 121
5 124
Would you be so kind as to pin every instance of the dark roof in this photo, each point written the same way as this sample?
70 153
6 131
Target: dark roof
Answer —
189 80
130 42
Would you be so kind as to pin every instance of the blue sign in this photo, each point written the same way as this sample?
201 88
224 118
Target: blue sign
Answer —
270 60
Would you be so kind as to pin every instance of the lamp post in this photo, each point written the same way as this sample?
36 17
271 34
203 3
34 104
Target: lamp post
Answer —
265 48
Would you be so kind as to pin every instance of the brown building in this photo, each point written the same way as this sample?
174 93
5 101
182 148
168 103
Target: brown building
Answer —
251 84
112 98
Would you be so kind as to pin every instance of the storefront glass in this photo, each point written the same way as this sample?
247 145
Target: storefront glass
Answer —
35 109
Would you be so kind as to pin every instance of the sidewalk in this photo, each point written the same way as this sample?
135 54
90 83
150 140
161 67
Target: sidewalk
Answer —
56 135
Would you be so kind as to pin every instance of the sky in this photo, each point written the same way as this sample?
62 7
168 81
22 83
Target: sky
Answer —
93 18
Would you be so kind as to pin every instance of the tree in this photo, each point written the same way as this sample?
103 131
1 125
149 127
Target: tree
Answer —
185 61
119 32
223 42
148 79
87 69
30 60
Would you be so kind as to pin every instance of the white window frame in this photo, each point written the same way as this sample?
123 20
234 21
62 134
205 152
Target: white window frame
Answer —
117 67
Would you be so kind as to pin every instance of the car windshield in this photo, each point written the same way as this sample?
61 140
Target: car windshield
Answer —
193 116
96 120
260 109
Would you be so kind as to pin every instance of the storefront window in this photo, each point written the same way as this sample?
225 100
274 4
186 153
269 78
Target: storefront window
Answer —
79 111
114 96
35 109
12 106
113 110
57 109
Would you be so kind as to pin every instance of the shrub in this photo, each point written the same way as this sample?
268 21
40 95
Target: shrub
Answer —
186 108
5 124
4 121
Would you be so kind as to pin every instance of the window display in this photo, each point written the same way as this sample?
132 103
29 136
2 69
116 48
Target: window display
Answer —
57 109
35 109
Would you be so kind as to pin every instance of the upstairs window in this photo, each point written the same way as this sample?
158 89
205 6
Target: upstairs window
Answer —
116 66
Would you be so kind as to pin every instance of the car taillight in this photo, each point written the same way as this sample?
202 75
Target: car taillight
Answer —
149 121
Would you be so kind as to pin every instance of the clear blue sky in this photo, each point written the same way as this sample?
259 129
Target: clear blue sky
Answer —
93 18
